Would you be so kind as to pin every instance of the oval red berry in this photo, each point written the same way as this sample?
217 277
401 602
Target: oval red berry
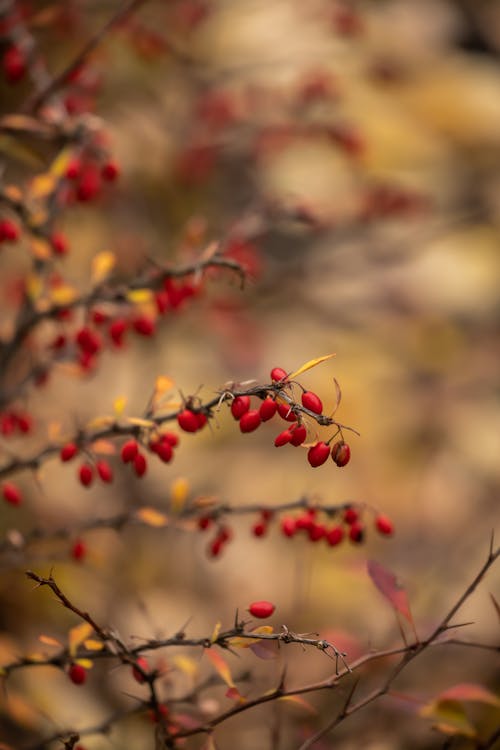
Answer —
240 405
187 421
277 374
312 402
317 454
250 421
268 409
261 609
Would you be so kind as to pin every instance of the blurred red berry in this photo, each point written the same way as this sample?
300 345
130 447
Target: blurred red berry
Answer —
68 451
384 525
335 535
356 532
129 451
105 471
351 515
14 64
141 662
86 474
9 231
110 171
261 609
77 674
11 493
288 526
78 550
140 464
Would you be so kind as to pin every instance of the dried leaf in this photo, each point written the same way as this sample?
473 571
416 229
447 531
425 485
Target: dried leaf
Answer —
265 649
450 717
469 691
216 632
220 666
238 642
186 665
85 663
42 185
98 422
34 286
102 265
309 365
78 635
40 249
163 385
179 491
299 701
92 645
152 517
389 586
139 296
63 294
48 641
139 422
104 447
60 164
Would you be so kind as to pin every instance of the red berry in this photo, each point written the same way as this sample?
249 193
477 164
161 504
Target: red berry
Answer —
259 528
144 325
99 317
312 402
89 185
73 170
68 451
288 526
143 664
77 674
110 171
187 421
335 535
117 331
105 471
239 406
202 419
140 464
129 451
88 340
163 450
268 409
384 525
299 434
250 421
9 232
278 374
11 494
316 532
356 532
78 550
318 453
283 438
14 64
24 423
204 522
341 453
286 412
215 547
261 609
266 514
171 438
86 474
59 243
351 515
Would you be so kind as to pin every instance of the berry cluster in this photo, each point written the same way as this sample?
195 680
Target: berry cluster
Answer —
350 525
279 398
12 422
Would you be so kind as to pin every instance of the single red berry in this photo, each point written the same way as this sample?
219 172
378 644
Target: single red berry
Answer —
312 402
318 453
105 471
99 317
316 531
187 421
14 64
215 547
110 171
78 550
266 514
299 434
171 438
164 451
201 418
285 411
7 424
77 674
86 474
59 243
261 609
341 453
250 421
225 533
141 662
129 451
356 532
161 301
239 406
11 493
384 525
117 331
288 526
73 170
68 451
140 464
278 374
24 423
268 409
305 520
351 515
283 438
59 342
144 325
335 535
89 185
88 340
9 232
204 522
259 528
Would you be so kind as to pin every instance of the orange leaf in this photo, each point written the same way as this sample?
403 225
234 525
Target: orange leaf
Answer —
102 265
299 701
92 645
78 635
49 641
234 694
469 691
220 666
152 517
389 586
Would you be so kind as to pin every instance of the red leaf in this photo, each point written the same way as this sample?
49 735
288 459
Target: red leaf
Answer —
389 586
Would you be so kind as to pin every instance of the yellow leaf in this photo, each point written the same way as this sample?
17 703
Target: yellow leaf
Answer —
220 666
34 286
186 665
152 517
86 663
179 492
42 185
238 642
102 265
140 422
98 422
78 635
119 405
139 296
216 632
92 645
299 701
60 164
49 641
309 365
163 384
63 294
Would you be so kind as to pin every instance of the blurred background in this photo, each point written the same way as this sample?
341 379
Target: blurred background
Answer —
348 154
